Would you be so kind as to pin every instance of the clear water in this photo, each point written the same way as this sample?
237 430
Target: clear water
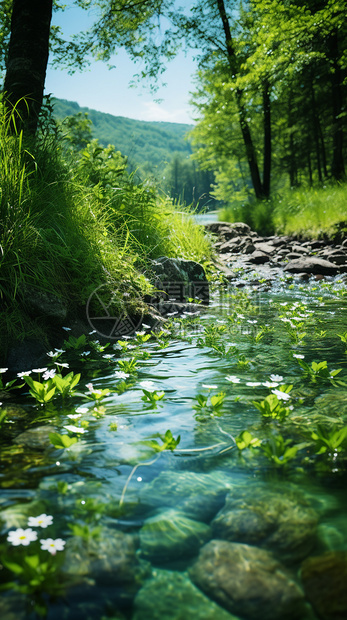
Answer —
134 518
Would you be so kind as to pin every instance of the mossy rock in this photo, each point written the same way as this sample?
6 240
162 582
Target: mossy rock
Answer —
324 578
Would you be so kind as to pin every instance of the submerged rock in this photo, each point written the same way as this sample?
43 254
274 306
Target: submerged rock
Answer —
247 581
109 558
284 523
172 596
36 438
171 535
199 496
180 279
324 578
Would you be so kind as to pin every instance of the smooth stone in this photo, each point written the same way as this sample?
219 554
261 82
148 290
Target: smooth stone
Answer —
284 523
265 247
110 559
247 581
199 496
171 535
258 258
171 595
324 578
36 438
312 265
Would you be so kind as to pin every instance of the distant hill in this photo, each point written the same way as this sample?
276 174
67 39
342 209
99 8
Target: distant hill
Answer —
149 145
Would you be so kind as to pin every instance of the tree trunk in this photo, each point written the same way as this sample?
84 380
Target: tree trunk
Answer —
267 141
245 130
27 62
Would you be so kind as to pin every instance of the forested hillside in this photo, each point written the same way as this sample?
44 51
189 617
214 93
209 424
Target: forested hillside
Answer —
150 145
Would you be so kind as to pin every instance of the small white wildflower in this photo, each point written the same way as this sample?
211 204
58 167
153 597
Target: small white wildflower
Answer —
233 379
209 387
82 410
62 364
270 384
298 356
2 370
21 537
25 373
252 322
40 521
49 374
142 333
74 416
108 356
75 429
281 395
276 378
253 383
120 374
146 326
39 370
52 546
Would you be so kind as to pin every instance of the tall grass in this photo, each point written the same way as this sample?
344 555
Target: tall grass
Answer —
309 212
63 235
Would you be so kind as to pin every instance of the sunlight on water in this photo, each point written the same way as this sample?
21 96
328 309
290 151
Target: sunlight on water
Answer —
218 495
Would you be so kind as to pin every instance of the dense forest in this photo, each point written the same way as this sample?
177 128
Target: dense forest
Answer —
157 150
146 144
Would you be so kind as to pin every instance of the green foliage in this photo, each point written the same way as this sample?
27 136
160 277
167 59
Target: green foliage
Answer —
62 441
330 439
319 371
168 442
246 440
42 392
279 451
152 397
272 406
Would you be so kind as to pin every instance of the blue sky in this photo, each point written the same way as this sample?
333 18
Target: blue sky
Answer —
108 90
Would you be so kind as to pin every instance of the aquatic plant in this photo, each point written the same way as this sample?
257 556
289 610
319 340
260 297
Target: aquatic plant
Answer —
318 371
272 406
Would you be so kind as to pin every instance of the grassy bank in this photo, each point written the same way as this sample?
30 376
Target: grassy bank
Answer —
73 221
310 212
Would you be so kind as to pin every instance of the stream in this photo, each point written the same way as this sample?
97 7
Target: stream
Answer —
207 474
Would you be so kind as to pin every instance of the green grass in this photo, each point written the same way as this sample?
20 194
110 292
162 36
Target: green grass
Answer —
310 212
63 234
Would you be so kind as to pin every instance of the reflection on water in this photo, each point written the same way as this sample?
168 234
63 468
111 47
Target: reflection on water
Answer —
238 512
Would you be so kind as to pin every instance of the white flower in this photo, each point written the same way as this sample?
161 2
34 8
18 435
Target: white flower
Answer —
298 356
146 326
140 333
25 373
276 378
119 374
40 521
52 546
74 429
62 364
3 370
85 353
39 370
92 332
233 379
252 322
67 329
108 356
49 374
148 385
74 416
281 395
209 387
90 387
82 410
270 384
253 383
22 537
